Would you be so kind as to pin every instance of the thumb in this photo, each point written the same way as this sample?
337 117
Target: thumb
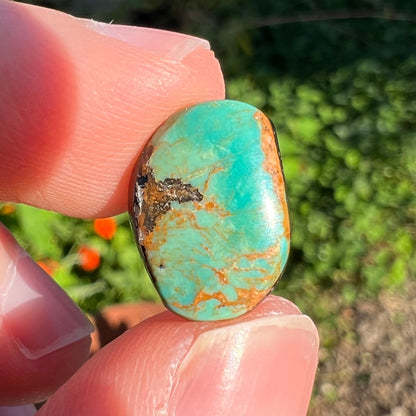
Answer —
261 364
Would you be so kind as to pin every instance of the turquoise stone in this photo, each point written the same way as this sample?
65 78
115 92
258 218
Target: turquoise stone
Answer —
209 210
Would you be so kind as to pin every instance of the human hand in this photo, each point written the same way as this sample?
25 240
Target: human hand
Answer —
78 101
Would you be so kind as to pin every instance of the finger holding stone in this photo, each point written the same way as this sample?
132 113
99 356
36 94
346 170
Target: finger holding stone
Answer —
78 100
262 363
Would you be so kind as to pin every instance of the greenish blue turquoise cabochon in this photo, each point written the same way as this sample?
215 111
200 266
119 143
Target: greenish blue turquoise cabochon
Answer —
208 207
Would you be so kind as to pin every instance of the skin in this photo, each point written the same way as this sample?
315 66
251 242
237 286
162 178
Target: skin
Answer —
78 101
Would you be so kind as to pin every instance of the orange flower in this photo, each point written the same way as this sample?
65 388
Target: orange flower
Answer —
105 227
89 258
7 209
48 265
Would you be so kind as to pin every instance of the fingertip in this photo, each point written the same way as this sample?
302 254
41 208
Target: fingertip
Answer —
44 337
27 381
78 106
25 410
171 45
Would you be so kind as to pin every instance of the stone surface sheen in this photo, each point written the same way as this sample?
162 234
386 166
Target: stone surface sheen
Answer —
209 210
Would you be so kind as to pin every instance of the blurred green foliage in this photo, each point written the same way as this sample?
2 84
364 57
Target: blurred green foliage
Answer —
55 241
342 93
349 150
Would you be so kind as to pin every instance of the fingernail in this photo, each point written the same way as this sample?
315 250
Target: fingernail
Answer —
262 367
34 310
171 45
27 410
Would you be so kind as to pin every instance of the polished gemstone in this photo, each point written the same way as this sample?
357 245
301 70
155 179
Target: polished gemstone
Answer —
209 210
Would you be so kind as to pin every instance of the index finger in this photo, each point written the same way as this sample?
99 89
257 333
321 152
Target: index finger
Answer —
78 100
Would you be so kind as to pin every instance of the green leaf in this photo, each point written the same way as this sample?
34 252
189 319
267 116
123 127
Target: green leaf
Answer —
39 229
